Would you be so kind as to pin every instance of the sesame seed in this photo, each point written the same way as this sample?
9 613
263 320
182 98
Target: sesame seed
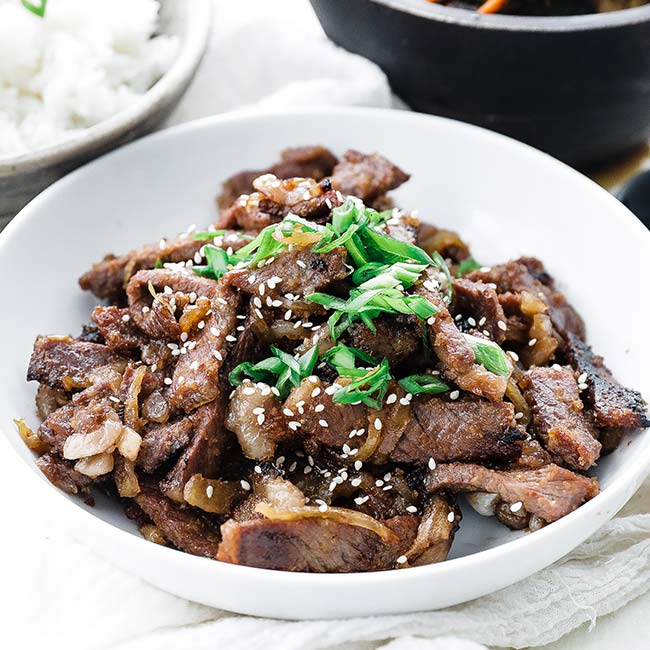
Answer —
288 412
307 469
455 394
258 469
249 390
258 409
431 320
532 342
450 517
556 366
230 338
245 485
361 500
432 463
301 264
355 482
214 331
209 491
583 378
502 325
583 386
292 467
167 381
322 507
260 419
319 407
391 399
126 318
482 321
316 392
379 482
358 465
513 355
401 559
516 507
323 423
378 424
387 487
293 425
217 355
518 416
471 321
261 289
257 302
411 509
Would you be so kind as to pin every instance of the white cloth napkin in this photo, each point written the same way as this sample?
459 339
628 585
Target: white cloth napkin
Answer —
60 594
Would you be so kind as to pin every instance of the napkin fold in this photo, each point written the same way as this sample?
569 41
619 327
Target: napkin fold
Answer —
63 595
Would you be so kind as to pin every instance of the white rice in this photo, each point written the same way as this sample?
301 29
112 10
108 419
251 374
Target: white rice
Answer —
84 62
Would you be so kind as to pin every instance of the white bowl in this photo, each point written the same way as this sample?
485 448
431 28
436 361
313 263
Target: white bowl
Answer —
23 177
505 198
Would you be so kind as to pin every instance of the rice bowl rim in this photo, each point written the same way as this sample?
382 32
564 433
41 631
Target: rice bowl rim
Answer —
193 43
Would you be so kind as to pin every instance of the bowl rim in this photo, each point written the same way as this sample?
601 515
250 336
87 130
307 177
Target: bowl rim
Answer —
193 44
503 22
609 500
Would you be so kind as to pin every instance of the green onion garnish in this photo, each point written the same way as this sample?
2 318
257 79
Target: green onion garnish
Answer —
282 370
416 384
369 389
467 265
344 359
210 234
35 8
490 355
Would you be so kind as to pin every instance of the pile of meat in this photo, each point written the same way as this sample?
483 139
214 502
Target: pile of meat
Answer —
140 407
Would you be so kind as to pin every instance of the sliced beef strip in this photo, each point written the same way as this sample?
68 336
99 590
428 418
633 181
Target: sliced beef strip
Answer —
108 278
162 441
613 405
185 528
457 359
396 338
559 418
118 330
366 176
275 199
61 473
479 300
435 533
516 276
298 271
196 379
313 545
306 162
449 431
550 492
205 452
65 363
429 428
331 424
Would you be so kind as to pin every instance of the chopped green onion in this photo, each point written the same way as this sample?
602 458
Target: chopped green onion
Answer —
343 359
206 236
416 384
489 355
326 245
344 216
369 389
158 264
388 249
36 8
467 265
283 369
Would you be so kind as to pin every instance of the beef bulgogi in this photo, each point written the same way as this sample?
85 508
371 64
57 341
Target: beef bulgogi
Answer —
308 384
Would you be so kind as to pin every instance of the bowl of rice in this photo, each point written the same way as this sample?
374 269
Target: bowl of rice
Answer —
85 77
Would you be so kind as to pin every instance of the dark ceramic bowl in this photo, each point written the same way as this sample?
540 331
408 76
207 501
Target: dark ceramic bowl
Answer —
577 87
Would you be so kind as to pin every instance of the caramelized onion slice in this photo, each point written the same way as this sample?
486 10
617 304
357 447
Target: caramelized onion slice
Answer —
372 441
521 405
129 443
131 409
153 534
211 495
102 439
340 515
30 438
125 477
95 466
